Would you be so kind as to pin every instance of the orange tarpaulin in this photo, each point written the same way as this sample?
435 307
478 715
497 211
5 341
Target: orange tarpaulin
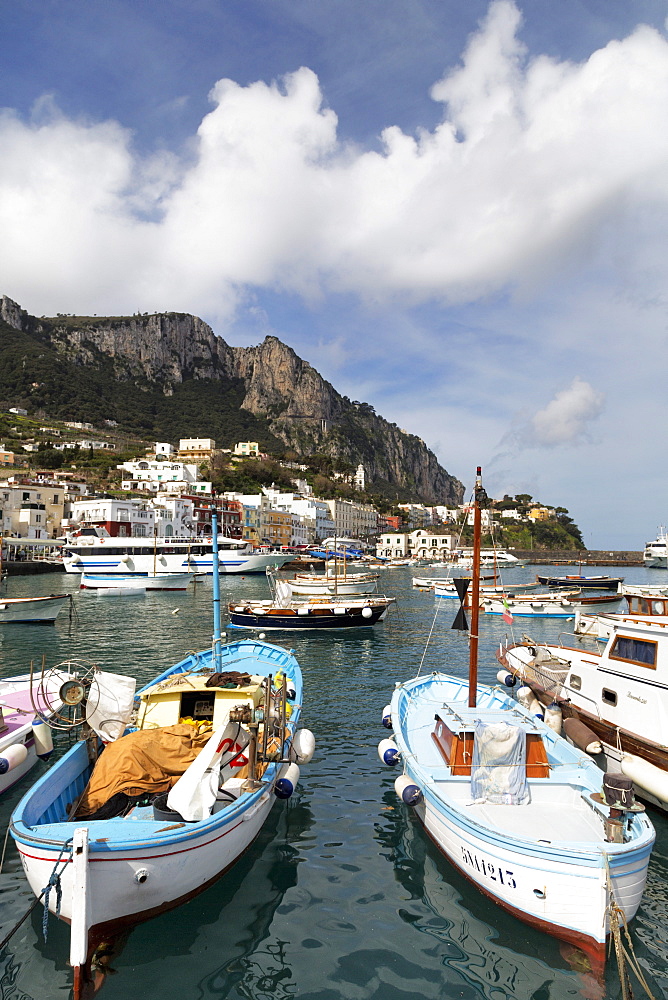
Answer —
146 762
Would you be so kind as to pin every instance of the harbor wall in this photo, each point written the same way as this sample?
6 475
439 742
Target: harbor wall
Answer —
569 557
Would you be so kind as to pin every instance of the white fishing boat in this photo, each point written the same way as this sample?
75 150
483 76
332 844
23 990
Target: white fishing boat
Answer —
334 583
514 806
32 610
152 581
655 555
25 737
552 605
102 554
145 822
618 693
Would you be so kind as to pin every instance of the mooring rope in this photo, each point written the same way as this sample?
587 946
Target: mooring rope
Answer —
54 881
625 958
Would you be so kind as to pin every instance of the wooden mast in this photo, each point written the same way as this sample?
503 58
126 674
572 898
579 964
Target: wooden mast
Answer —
475 591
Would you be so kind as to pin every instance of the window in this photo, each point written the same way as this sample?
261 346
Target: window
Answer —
609 697
575 682
56 498
639 651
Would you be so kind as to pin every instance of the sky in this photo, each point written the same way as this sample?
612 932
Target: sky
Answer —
457 212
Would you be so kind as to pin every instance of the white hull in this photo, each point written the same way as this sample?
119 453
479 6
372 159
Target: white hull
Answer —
546 859
175 873
159 581
329 587
31 609
142 557
567 895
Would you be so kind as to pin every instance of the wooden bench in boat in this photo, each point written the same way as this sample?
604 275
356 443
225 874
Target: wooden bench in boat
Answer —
453 735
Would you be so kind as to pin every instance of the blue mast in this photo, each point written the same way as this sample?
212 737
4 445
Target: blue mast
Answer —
216 595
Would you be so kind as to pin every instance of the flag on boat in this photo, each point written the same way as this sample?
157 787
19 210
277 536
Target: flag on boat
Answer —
507 613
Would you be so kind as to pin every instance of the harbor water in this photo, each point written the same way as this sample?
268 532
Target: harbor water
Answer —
342 896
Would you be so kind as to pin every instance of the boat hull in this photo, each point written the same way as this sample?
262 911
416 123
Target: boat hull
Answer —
568 902
32 610
115 581
547 860
171 874
313 620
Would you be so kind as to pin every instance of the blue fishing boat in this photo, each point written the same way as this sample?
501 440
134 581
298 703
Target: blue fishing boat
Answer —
127 829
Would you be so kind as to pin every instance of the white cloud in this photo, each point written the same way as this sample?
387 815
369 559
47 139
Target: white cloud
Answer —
533 157
565 420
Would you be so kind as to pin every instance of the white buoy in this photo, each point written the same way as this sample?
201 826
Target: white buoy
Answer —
366 612
388 751
12 757
646 775
536 708
503 677
303 610
287 783
524 695
386 717
43 738
553 717
407 790
302 747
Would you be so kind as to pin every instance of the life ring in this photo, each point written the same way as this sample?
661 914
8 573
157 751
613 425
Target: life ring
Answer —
229 746
102 541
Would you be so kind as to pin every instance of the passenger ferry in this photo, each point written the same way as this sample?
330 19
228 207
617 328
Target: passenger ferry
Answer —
102 553
655 555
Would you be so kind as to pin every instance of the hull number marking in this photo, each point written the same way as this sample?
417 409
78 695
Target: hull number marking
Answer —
489 870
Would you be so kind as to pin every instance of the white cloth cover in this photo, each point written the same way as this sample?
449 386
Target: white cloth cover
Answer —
498 771
195 792
283 593
109 704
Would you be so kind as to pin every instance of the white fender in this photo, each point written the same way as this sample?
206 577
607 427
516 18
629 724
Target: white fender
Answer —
524 695
553 717
503 677
386 717
12 757
302 747
286 784
388 751
407 790
646 775
43 738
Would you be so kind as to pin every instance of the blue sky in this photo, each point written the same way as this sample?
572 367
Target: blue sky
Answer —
455 211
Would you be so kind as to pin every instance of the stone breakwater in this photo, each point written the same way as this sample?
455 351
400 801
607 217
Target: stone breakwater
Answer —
571 557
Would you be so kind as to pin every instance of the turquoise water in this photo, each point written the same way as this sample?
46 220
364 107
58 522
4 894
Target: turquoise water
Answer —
342 895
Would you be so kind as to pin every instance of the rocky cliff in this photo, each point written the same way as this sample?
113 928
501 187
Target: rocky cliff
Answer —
301 409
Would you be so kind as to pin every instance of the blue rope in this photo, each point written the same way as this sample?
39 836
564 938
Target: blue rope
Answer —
53 883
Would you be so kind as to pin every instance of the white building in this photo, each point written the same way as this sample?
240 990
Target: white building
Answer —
164 448
359 479
31 511
163 515
419 544
154 476
353 520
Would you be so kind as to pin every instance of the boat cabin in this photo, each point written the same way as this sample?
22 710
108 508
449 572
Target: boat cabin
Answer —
454 735
201 698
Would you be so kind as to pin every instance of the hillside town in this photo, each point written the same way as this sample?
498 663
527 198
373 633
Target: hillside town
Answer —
165 494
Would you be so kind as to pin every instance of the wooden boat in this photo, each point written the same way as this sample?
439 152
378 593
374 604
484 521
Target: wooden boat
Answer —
149 581
32 610
557 605
316 613
115 872
619 693
337 583
514 806
577 580
25 736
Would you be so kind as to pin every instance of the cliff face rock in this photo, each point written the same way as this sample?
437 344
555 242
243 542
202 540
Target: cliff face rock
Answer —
300 407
